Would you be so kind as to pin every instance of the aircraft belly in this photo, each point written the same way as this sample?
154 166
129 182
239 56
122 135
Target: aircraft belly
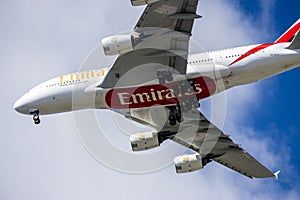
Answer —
261 69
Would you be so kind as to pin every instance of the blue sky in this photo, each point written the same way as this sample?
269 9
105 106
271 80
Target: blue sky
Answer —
279 109
284 12
45 39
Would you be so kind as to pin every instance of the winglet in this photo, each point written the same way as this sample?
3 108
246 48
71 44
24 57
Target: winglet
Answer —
276 174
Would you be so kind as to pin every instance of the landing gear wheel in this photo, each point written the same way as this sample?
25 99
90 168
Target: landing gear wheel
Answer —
179 118
172 118
192 84
184 86
169 76
173 115
36 117
164 75
176 90
173 122
161 78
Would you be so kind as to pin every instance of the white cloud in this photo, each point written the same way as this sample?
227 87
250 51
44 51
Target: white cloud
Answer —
43 39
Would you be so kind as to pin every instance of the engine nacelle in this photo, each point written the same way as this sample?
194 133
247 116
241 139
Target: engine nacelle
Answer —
144 141
188 163
142 2
118 44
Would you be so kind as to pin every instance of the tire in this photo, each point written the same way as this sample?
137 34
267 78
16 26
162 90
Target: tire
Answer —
35 117
172 123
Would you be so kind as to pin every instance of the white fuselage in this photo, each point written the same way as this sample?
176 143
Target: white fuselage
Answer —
232 67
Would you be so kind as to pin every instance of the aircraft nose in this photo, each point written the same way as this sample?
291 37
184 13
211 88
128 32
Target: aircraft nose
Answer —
20 106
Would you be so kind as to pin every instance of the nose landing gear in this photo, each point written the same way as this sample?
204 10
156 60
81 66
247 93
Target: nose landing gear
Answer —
36 117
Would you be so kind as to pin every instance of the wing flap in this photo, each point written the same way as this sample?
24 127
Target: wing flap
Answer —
200 135
215 145
176 15
243 163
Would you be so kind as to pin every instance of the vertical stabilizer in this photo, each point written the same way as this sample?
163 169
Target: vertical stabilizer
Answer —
295 44
290 34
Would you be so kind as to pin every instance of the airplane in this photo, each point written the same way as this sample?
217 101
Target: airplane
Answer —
155 82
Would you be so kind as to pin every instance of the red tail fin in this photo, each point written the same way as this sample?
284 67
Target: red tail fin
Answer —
289 35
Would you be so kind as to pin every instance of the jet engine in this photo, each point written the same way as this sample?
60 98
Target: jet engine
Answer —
118 44
188 163
142 2
144 141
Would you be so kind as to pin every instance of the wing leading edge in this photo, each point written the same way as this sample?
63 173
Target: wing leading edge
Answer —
164 29
200 135
214 145
177 15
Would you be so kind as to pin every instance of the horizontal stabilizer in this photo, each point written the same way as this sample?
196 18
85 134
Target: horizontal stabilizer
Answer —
295 44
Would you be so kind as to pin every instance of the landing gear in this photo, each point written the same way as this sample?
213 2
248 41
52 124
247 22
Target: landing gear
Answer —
172 116
189 104
191 101
175 115
184 87
179 117
184 90
36 117
164 76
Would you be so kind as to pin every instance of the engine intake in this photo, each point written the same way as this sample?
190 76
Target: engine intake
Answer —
144 141
142 2
119 44
188 163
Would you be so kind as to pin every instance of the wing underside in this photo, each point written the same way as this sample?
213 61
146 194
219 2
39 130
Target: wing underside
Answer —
164 29
243 163
214 145
177 15
200 135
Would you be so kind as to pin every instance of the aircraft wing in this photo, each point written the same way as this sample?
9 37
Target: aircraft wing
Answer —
164 31
214 145
177 15
242 162
200 135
